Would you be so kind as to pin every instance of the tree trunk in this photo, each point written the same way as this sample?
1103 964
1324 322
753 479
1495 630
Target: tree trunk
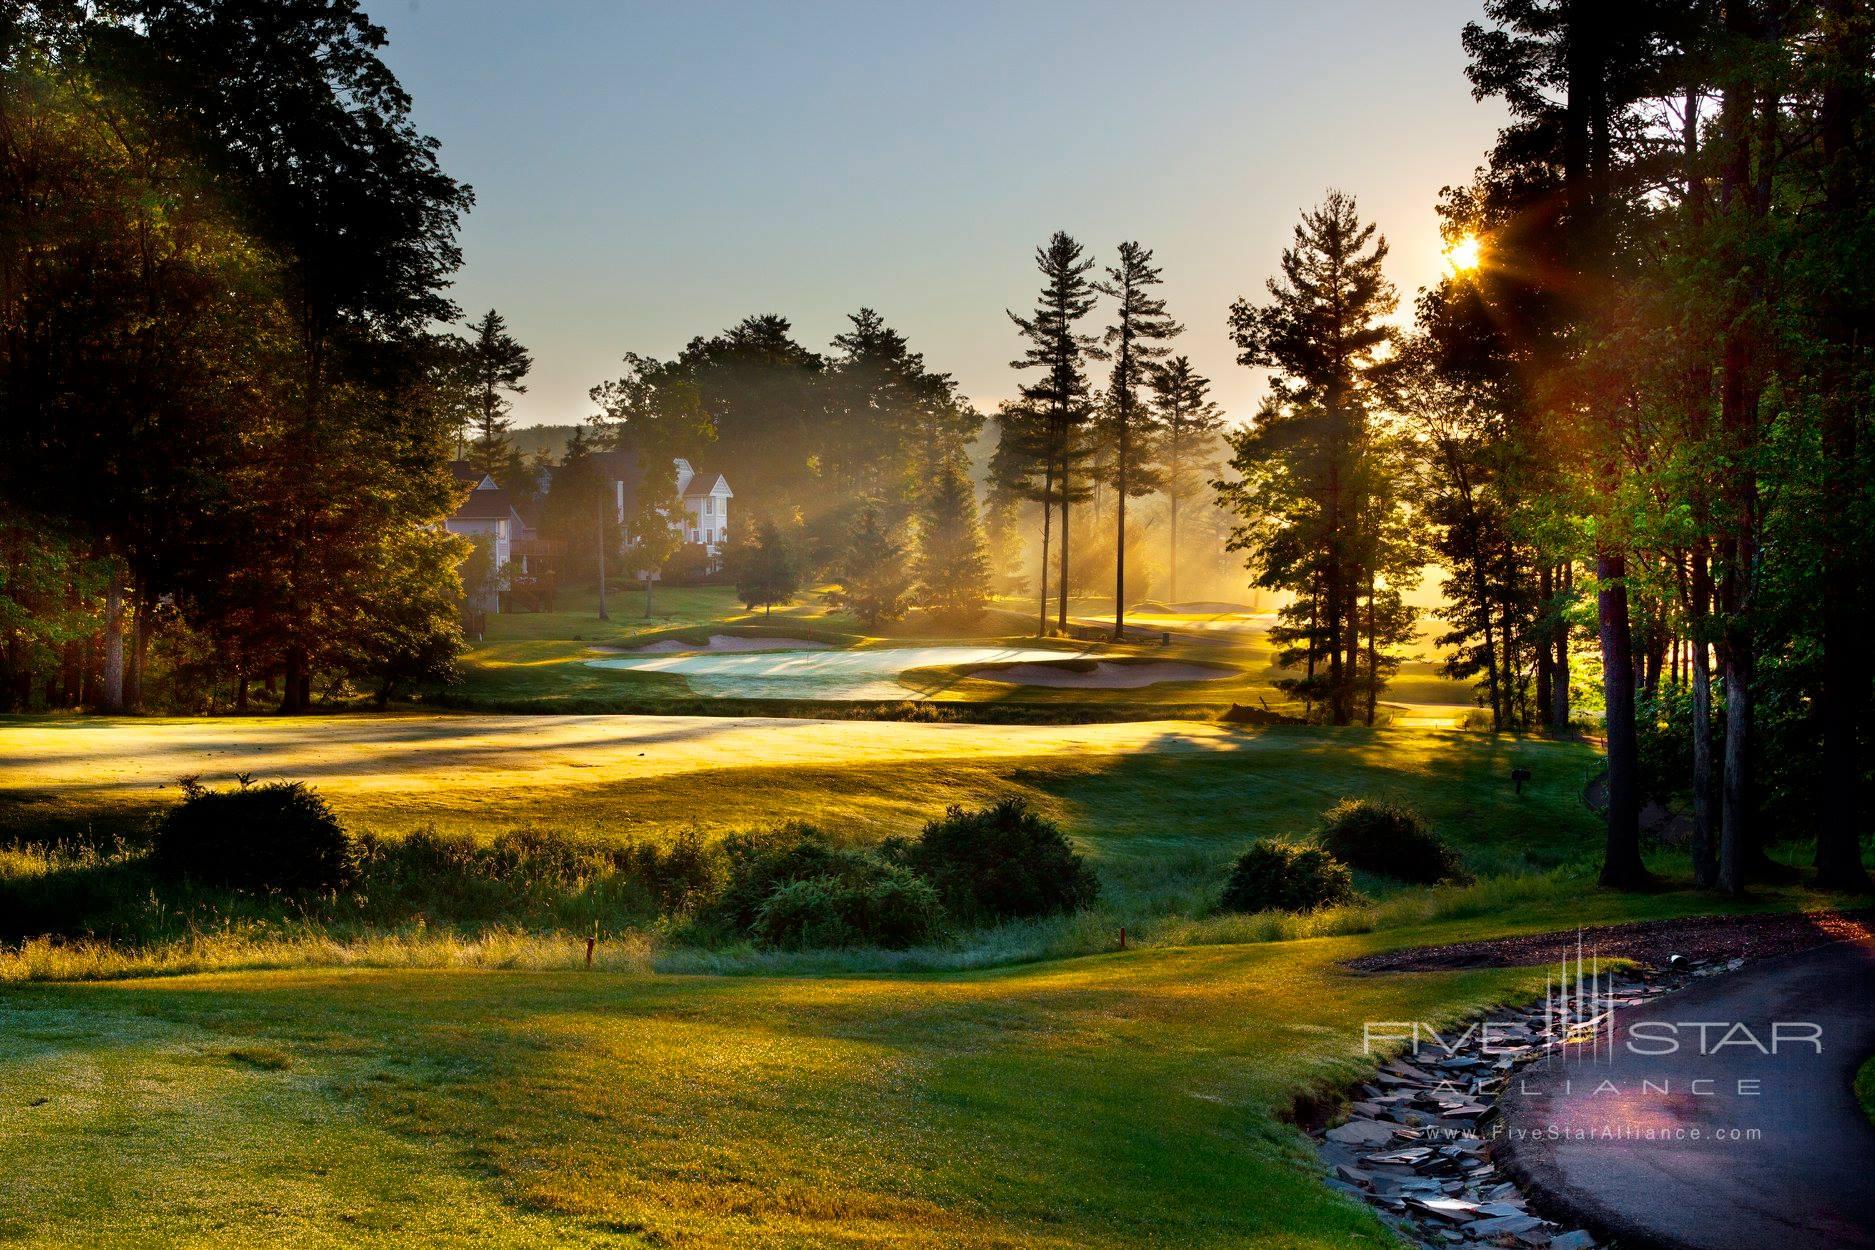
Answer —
111 694
1061 616
1338 710
1545 661
1559 666
1373 652
1705 866
1845 683
1622 868
601 549
1735 832
139 648
294 693
1171 561
1119 538
1048 516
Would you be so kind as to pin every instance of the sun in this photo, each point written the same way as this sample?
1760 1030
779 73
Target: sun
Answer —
1464 255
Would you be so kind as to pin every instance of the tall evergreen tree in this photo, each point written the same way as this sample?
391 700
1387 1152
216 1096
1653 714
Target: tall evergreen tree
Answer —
953 566
1136 343
1190 422
494 365
764 569
875 571
1570 73
1061 396
1307 504
889 414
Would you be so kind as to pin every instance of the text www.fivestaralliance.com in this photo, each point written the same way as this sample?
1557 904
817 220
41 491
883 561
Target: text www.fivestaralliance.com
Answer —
1627 1133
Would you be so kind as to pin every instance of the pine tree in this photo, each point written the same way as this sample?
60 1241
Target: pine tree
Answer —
1061 397
1021 468
889 414
1570 74
1189 423
1306 503
764 569
875 573
494 363
1135 342
953 566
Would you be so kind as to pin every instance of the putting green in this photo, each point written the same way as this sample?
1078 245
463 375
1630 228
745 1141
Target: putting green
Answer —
800 674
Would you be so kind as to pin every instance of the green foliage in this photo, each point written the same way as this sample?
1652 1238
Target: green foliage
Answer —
764 568
404 628
492 364
531 878
1389 841
953 569
1282 876
1319 498
280 836
875 577
1001 862
874 905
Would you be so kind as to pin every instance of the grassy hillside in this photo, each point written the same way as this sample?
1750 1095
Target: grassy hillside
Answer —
1141 790
415 1087
1112 1101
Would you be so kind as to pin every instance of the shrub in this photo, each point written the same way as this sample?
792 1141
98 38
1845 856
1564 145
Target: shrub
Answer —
1004 862
529 876
1389 841
280 836
1280 876
760 864
882 905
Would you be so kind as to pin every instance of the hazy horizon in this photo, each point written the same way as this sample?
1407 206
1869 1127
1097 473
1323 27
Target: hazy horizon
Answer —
645 174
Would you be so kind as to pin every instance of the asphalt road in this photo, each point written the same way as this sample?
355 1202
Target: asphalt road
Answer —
1658 1149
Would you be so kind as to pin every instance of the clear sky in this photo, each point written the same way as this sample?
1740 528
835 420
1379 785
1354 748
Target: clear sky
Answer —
647 172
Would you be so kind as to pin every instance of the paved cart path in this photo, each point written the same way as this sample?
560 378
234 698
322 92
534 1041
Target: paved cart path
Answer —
1610 1150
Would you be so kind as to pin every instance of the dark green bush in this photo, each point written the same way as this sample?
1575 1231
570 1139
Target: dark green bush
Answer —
529 877
280 836
1001 863
1280 876
1389 841
882 905
760 864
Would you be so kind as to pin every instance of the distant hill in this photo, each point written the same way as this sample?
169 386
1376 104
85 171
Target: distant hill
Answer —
531 439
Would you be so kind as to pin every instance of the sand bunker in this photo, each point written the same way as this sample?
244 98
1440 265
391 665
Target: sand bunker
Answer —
718 644
1102 676
818 672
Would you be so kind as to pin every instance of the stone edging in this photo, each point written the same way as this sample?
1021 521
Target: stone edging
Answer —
1422 1144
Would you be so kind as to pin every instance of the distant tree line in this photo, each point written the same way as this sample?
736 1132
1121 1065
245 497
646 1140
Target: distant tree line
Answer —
850 467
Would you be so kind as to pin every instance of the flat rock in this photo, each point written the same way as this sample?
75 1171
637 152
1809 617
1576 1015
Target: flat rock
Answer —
1362 1133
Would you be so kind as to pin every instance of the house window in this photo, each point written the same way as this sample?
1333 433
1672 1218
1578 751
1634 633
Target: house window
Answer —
709 507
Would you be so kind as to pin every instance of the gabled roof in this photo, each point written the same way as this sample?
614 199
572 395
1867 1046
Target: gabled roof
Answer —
617 466
486 505
466 474
705 482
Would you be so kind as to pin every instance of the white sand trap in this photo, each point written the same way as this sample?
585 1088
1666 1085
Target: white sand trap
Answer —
818 672
1103 676
718 644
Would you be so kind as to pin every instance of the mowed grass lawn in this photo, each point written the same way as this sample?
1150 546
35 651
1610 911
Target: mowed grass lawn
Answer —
1122 1100
1112 1100
1143 791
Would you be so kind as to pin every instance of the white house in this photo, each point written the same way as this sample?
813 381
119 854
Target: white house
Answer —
487 511
705 495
